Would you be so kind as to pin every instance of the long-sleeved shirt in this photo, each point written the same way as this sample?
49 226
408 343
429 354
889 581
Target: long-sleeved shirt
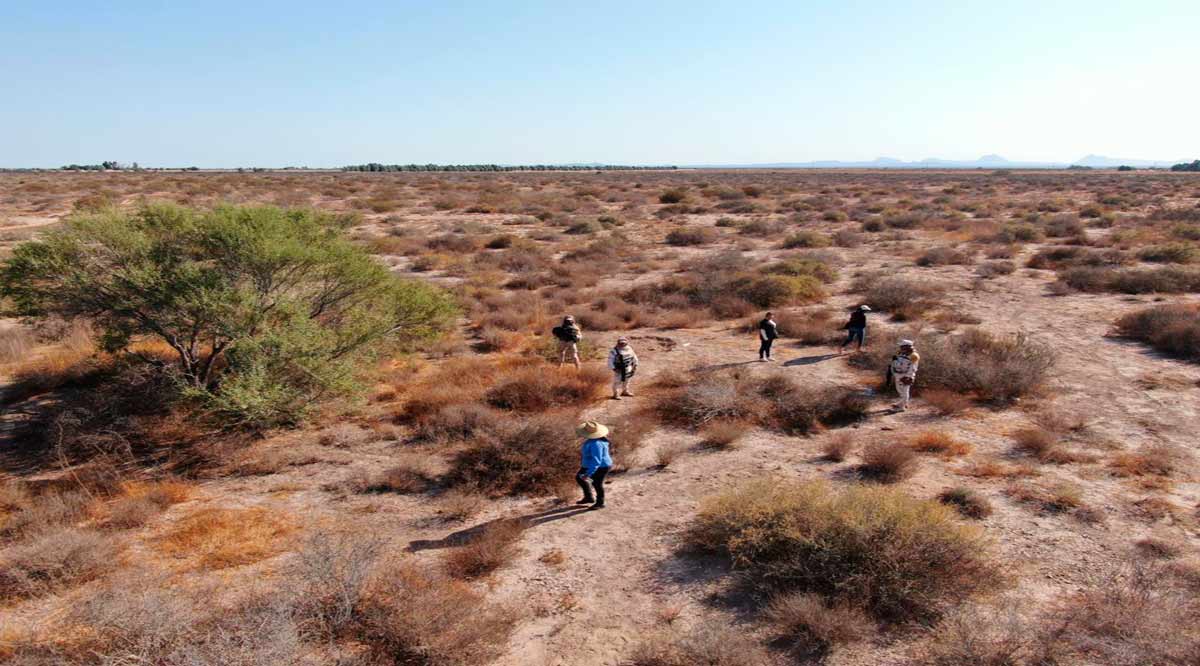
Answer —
905 366
858 319
623 360
594 455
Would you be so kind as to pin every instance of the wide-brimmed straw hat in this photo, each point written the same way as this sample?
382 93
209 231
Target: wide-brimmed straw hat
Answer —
591 429
620 340
905 343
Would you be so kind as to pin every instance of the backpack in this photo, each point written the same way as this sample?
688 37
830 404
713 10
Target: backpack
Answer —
559 333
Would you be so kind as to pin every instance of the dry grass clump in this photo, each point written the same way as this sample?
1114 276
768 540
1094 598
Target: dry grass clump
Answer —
939 442
811 328
897 557
888 462
410 616
814 626
543 388
1043 444
902 297
16 343
710 644
26 514
53 560
837 446
1163 280
1171 329
456 423
683 236
1138 615
218 538
947 403
966 501
1158 459
976 363
946 256
533 456
1056 497
776 402
486 551
723 434
401 479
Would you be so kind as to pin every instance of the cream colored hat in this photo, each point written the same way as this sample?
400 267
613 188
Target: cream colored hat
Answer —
591 429
905 343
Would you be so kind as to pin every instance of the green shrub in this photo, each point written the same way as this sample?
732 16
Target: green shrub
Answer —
898 557
1172 253
264 310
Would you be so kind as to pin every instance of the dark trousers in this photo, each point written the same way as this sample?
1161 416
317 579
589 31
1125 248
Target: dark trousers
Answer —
597 482
764 348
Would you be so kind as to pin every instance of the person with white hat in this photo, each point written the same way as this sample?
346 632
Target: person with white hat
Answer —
856 328
903 370
768 332
623 362
595 462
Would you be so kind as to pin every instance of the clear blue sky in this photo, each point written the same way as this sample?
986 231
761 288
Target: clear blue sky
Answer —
330 83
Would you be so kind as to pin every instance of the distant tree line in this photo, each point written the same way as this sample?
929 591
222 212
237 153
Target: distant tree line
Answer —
375 166
111 165
1193 166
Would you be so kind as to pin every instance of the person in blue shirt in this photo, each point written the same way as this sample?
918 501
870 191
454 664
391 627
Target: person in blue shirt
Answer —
594 464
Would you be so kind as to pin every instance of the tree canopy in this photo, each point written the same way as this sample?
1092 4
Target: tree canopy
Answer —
265 310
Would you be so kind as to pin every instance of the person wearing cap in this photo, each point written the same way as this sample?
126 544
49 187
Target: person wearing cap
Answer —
568 335
768 330
595 462
856 328
903 370
623 362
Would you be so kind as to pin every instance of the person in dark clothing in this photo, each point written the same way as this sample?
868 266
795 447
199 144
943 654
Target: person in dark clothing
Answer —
595 462
767 332
856 328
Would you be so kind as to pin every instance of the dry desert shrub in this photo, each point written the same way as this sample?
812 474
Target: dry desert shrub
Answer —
837 446
413 616
775 401
723 434
947 403
897 557
710 644
977 363
486 551
331 572
888 462
683 236
16 343
217 538
543 388
528 457
966 501
904 298
1158 459
400 479
810 328
27 514
814 626
1172 329
53 560
945 256
456 423
939 442
1055 497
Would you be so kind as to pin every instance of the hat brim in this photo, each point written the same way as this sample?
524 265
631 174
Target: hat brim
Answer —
600 430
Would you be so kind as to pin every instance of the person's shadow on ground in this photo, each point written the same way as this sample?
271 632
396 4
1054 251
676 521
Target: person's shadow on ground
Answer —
809 360
527 521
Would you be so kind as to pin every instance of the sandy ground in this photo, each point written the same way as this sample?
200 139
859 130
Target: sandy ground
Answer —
622 571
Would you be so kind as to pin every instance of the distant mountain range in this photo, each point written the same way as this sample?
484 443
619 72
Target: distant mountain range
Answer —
985 162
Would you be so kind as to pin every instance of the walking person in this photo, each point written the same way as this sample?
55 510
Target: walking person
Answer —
568 335
903 371
856 329
623 362
595 462
768 330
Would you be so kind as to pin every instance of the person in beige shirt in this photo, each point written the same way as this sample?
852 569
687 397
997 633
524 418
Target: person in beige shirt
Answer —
904 371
